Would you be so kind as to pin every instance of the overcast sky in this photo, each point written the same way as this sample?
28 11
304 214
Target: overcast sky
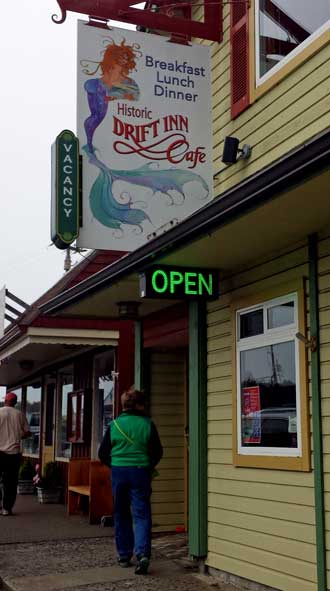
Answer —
37 101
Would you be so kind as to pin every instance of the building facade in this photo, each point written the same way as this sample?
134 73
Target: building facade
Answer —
239 386
67 375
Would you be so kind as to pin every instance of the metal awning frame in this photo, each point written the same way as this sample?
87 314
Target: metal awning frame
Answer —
158 15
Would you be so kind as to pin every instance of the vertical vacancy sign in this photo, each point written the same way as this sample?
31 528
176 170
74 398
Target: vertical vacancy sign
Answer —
144 126
65 190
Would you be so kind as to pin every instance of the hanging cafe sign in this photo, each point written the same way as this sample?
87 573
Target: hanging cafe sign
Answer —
65 190
179 283
144 123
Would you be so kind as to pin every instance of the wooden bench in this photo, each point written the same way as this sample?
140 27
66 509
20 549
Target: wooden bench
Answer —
89 478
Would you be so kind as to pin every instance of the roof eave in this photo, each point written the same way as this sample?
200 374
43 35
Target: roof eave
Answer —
303 162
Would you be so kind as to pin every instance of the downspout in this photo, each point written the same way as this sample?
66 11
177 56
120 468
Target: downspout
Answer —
197 430
317 413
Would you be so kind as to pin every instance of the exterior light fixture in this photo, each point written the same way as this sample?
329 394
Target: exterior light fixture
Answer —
231 151
128 310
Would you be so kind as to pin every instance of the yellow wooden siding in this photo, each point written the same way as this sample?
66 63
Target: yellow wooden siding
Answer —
324 311
167 410
294 110
261 523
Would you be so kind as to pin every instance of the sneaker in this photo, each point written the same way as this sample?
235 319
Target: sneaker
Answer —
5 512
142 566
124 562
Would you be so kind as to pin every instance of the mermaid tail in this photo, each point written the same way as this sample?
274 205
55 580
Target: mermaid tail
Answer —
170 179
98 202
109 212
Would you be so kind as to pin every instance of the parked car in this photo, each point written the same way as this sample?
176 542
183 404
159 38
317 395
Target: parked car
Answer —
279 420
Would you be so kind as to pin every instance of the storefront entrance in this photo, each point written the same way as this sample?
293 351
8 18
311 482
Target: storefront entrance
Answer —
168 409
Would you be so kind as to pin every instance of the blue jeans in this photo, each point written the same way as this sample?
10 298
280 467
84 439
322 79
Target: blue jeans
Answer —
131 489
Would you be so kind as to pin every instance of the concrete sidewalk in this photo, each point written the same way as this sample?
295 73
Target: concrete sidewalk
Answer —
35 522
91 565
41 549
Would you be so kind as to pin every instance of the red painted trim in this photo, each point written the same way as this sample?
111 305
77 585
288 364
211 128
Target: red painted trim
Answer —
177 339
125 360
101 260
169 328
239 57
122 10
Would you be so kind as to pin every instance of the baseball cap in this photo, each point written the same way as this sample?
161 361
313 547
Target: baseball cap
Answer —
11 397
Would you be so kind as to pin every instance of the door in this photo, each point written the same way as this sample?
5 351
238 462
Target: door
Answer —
168 409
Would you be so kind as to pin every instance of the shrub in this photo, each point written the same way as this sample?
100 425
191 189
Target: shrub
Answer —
26 471
51 476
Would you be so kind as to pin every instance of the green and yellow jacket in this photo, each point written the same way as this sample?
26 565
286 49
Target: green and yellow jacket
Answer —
131 440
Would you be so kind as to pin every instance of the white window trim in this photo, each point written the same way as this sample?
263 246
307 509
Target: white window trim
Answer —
277 335
95 414
260 80
95 443
58 457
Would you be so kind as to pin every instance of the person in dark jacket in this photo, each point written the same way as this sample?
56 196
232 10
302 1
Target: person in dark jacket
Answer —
132 448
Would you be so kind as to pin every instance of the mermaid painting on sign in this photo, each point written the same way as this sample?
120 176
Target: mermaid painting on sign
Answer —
118 61
121 211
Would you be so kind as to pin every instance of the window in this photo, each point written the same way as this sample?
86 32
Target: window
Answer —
78 423
18 393
104 366
66 386
49 410
31 445
284 28
271 415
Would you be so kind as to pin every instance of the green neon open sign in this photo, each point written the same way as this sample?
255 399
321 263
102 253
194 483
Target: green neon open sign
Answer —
179 283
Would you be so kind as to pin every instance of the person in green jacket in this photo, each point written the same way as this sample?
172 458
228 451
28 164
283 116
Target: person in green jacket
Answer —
132 448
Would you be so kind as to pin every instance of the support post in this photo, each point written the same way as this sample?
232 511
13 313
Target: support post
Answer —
197 430
317 415
138 373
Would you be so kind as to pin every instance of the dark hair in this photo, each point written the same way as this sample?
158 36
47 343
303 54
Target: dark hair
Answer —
133 398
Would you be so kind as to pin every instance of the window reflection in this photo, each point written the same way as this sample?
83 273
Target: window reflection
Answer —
268 395
280 315
75 421
251 323
74 406
81 416
104 367
284 25
18 393
31 445
66 386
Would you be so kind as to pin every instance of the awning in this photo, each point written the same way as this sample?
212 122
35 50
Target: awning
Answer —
39 348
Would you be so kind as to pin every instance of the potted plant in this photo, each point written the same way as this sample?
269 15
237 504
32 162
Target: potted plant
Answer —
25 478
49 486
